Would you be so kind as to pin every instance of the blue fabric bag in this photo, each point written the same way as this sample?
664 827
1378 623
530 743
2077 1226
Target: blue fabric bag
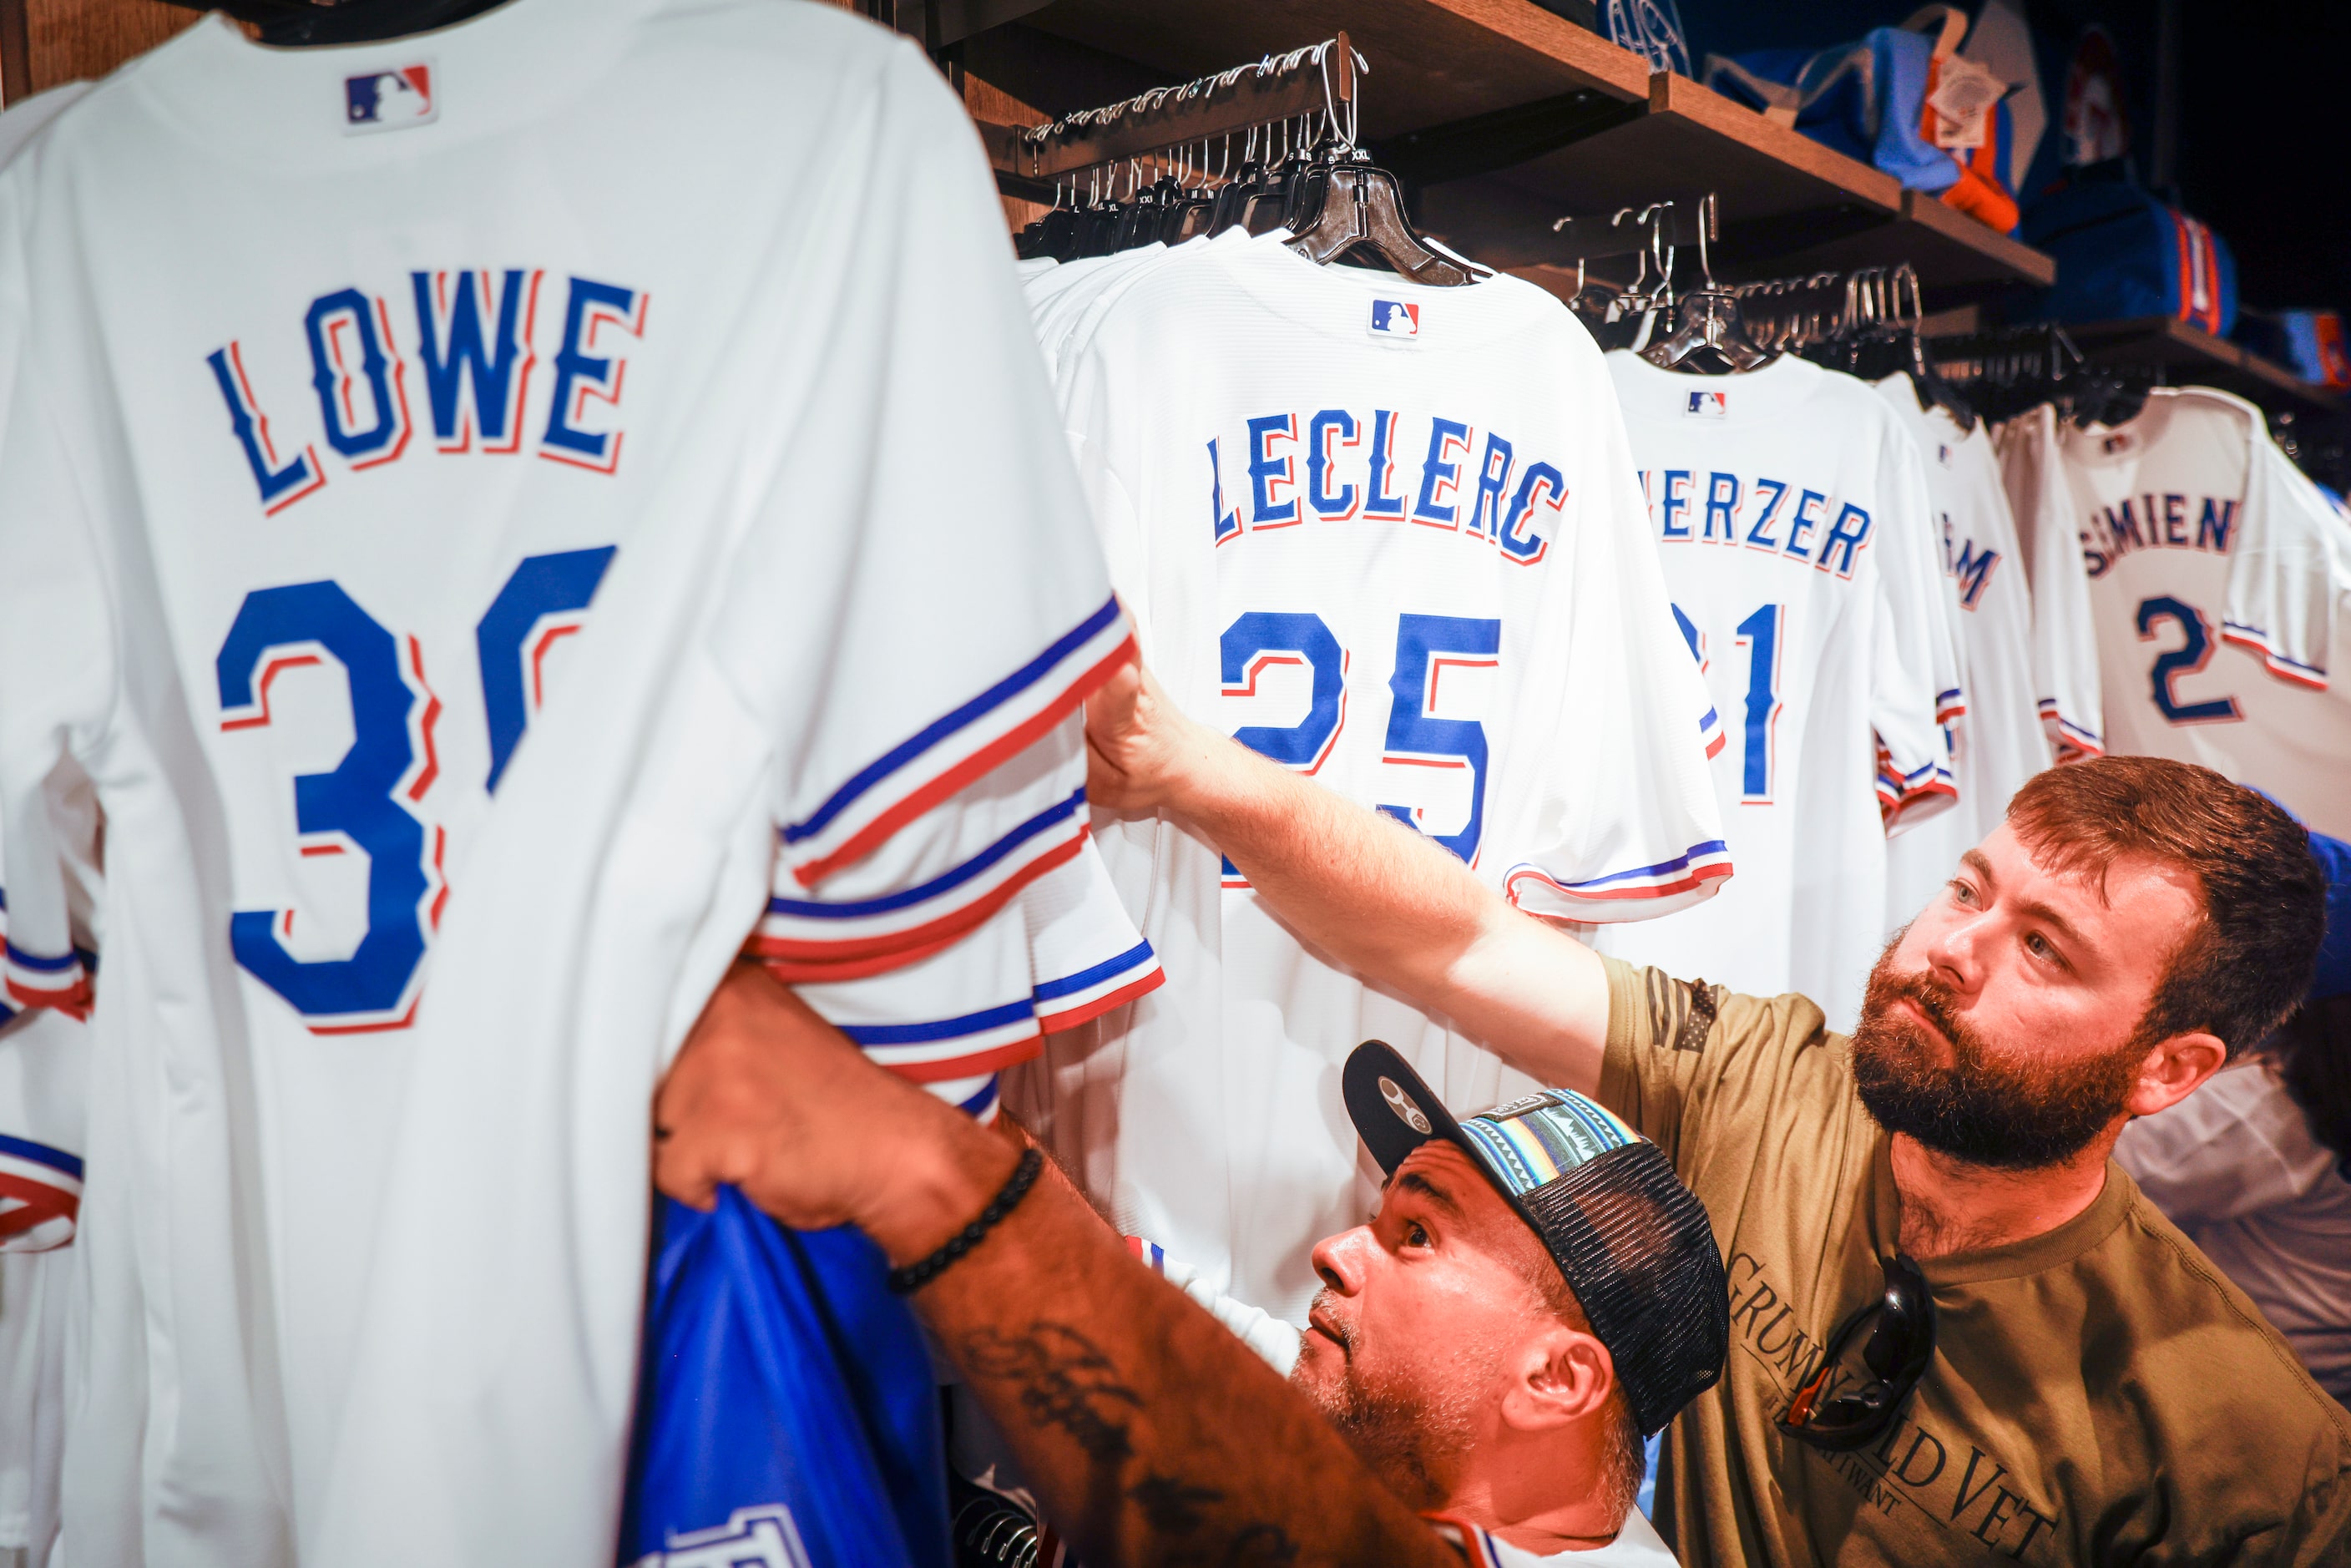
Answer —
1862 99
2121 253
787 1415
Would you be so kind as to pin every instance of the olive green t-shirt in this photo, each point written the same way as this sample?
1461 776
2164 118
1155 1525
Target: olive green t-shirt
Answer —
2099 1394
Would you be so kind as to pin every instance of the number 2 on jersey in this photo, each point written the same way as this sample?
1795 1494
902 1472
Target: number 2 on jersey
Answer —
2193 653
1426 645
367 801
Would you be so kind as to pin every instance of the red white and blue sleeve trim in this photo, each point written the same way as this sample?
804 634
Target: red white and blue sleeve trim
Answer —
2253 640
1899 793
1710 734
1150 1254
1530 887
1477 1546
1073 999
1950 704
806 939
2072 740
44 980
959 747
40 1196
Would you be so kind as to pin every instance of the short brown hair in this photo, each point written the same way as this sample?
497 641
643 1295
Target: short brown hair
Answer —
2240 970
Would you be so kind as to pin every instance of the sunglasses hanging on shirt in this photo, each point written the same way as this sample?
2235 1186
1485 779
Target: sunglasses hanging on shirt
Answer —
1872 1363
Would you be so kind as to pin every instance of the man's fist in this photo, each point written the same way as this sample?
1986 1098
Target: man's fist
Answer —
769 1097
1140 748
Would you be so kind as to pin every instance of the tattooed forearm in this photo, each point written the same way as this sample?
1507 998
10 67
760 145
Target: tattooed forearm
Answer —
1064 1380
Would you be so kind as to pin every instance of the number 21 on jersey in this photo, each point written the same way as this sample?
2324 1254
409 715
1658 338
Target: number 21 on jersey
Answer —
1426 647
367 804
1761 636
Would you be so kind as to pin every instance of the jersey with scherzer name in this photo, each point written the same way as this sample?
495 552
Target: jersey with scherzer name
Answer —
2000 742
2218 579
1385 535
478 625
1794 526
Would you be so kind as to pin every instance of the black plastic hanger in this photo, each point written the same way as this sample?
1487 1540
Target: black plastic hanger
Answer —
293 23
1361 207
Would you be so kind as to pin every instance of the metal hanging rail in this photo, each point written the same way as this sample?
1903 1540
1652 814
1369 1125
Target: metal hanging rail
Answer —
1319 81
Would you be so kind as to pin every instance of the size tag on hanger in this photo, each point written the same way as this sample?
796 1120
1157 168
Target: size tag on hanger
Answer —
391 100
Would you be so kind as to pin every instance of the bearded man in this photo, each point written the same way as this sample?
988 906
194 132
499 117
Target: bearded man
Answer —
1958 1331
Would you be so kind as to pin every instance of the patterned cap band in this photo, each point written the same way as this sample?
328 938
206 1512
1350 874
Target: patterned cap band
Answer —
1529 1141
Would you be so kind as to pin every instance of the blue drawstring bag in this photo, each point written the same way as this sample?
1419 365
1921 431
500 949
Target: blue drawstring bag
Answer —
787 1415
2122 254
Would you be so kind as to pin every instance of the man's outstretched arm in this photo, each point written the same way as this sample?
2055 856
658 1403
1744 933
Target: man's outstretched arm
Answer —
1152 1435
1368 890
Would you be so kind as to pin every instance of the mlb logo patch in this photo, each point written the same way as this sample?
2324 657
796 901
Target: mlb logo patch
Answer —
1394 318
1706 405
389 100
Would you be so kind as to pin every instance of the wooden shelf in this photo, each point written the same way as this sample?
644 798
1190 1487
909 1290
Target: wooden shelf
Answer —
2198 358
1506 116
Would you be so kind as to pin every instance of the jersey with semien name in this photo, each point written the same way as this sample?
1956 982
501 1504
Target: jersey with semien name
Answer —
478 621
1796 534
1386 535
2218 579
2000 744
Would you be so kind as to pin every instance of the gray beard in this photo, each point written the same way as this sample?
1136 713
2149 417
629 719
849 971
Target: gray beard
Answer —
1411 1438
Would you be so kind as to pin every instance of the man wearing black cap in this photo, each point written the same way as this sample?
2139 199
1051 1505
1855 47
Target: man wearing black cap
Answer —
1536 1292
1958 1334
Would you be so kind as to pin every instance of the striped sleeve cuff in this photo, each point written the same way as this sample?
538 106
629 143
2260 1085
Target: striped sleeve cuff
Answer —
957 748
1635 893
2255 641
40 1196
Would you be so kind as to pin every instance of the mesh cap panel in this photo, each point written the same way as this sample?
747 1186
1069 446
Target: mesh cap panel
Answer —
1634 1245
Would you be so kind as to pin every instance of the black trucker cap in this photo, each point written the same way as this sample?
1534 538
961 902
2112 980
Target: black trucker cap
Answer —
1631 1240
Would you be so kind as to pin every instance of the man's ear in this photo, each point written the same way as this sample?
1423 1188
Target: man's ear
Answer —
2174 1069
1563 1374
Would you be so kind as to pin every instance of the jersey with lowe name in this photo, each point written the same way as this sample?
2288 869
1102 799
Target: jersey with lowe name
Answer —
2220 581
2000 744
1797 538
476 624
1385 535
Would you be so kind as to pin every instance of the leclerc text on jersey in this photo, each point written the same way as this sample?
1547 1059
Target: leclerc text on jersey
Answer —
1333 466
475 339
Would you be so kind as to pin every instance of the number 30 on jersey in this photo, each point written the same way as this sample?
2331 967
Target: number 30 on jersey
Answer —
366 803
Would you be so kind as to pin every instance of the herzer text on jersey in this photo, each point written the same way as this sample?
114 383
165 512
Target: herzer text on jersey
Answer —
475 341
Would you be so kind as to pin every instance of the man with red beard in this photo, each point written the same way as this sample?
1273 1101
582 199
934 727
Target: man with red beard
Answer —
1958 1331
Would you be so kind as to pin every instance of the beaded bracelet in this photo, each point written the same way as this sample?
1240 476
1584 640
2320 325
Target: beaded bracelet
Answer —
905 1281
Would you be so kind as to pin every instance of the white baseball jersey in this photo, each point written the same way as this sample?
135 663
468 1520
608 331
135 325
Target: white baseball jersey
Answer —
1387 536
2064 638
477 620
43 1083
1794 527
2000 744
2219 579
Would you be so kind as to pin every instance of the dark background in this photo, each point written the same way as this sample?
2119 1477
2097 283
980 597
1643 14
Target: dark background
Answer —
2264 148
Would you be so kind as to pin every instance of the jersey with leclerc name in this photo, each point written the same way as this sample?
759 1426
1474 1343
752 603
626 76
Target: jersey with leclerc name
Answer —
1385 535
2066 682
1795 531
476 624
2219 578
2000 744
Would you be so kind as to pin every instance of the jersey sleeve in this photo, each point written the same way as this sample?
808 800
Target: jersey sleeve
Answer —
1914 676
2064 638
2290 571
1625 824
952 614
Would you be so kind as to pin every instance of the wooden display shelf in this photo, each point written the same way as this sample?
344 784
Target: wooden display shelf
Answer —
1505 117
2198 359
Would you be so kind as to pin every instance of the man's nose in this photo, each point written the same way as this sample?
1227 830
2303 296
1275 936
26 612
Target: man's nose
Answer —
1340 1259
1955 950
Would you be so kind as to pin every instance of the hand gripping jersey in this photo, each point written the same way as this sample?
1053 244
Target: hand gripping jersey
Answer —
2000 744
1385 535
1796 534
483 588
2220 581
2064 641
